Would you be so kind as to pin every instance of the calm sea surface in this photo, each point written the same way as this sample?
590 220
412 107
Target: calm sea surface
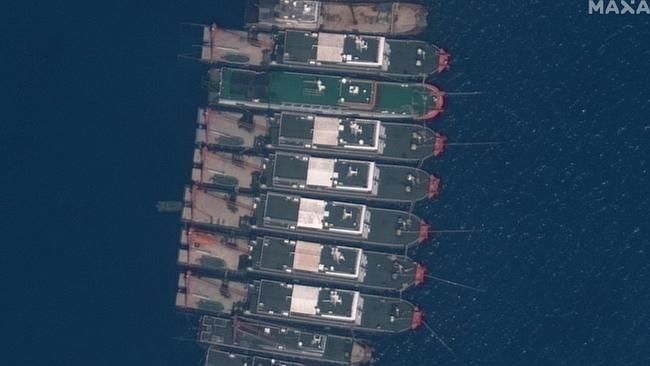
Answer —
99 125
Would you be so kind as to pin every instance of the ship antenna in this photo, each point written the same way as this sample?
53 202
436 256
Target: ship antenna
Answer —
447 231
454 283
442 342
489 143
464 93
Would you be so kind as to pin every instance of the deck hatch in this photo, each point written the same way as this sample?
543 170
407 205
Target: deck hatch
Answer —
326 131
330 47
307 256
304 300
320 172
311 213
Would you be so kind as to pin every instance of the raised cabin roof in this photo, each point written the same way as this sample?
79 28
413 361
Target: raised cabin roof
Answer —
301 129
330 48
290 169
287 210
282 254
280 298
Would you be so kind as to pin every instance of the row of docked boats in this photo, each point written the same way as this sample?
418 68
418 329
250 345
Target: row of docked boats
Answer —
299 215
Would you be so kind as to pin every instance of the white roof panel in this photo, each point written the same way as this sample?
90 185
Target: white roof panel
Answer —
307 256
326 131
330 47
320 172
311 213
304 299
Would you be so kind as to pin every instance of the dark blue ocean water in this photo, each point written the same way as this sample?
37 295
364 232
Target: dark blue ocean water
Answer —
98 126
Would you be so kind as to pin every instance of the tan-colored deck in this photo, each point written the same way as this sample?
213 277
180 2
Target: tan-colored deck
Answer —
203 244
216 164
221 124
405 18
213 207
208 289
409 18
221 45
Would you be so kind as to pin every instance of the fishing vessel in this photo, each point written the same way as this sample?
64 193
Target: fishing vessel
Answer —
303 218
395 18
276 301
216 357
318 135
323 94
297 260
323 52
289 172
240 334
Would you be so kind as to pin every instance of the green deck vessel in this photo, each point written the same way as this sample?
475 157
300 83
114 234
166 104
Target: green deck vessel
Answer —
325 94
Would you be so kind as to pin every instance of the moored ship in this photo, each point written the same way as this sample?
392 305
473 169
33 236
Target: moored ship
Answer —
318 136
216 357
241 334
324 94
297 304
298 260
396 18
311 176
323 52
303 218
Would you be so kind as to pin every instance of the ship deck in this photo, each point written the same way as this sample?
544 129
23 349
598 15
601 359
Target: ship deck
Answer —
307 48
215 357
289 211
209 294
276 254
377 18
349 221
337 263
216 208
299 14
314 134
271 339
306 301
303 171
343 308
212 251
319 131
229 129
225 169
234 47
326 93
355 136
412 57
